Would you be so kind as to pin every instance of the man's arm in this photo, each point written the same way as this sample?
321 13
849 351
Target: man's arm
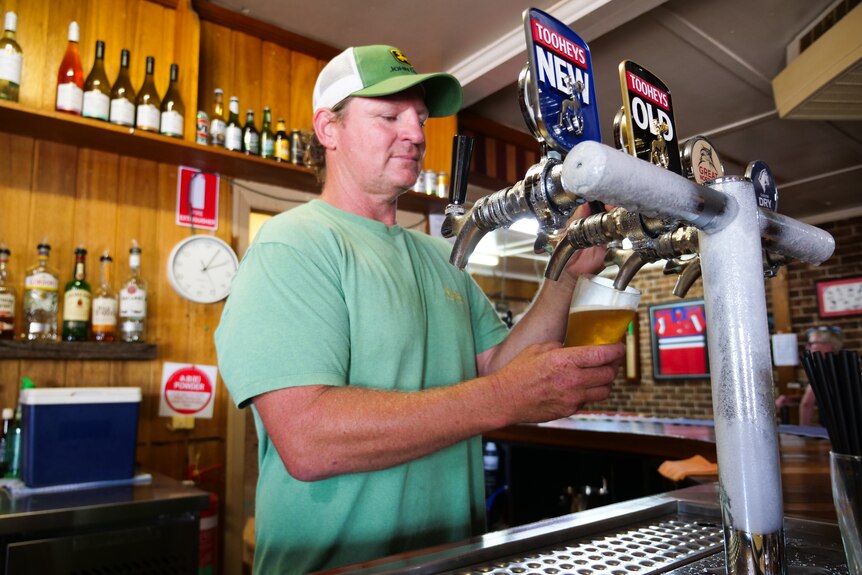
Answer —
324 431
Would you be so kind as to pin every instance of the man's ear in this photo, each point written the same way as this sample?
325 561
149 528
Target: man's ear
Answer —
325 123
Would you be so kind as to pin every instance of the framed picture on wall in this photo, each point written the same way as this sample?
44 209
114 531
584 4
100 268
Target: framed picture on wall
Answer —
678 340
839 297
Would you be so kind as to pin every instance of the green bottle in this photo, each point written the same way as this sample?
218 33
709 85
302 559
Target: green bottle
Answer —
267 138
13 439
77 300
250 136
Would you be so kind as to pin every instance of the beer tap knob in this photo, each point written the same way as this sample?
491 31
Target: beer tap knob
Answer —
462 153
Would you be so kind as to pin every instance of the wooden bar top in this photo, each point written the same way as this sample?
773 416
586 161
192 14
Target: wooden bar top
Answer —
804 451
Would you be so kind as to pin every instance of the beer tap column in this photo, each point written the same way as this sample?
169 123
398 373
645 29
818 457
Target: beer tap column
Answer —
742 396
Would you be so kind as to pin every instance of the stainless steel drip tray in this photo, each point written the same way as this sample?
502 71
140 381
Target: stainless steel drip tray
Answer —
670 533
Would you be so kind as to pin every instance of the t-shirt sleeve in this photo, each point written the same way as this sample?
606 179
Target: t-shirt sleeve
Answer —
285 324
488 329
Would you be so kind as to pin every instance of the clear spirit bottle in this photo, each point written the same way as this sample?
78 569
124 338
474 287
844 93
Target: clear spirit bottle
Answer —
133 301
105 304
41 296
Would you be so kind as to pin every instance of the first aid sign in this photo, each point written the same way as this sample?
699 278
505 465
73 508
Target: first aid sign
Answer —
187 390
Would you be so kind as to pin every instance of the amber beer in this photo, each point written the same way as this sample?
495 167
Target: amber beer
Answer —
598 325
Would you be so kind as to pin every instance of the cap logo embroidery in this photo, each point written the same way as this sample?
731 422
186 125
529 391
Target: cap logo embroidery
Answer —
399 55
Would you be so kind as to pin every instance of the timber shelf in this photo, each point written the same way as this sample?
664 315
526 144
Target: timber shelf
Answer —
74 130
83 350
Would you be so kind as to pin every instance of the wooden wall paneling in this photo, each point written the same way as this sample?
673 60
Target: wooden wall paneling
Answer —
304 70
438 139
93 227
275 80
137 205
215 69
187 44
246 65
16 170
113 22
154 36
52 204
32 36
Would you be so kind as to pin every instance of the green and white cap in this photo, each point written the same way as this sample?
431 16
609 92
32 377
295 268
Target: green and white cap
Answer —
372 71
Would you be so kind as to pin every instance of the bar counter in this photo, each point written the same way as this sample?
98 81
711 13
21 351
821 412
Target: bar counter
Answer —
677 532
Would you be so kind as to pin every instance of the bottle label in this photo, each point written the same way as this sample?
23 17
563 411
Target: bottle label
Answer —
96 105
268 148
76 305
217 127
7 305
10 67
233 138
70 97
148 117
282 149
253 146
172 123
41 281
104 311
133 303
122 112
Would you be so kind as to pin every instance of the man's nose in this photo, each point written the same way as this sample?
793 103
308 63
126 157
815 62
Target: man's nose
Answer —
413 129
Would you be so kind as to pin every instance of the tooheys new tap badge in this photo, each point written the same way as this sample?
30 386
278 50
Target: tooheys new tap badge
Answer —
647 129
559 99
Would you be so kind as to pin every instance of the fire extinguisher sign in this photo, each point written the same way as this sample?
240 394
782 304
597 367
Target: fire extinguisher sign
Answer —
187 390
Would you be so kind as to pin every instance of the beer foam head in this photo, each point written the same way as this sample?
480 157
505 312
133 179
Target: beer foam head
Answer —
593 290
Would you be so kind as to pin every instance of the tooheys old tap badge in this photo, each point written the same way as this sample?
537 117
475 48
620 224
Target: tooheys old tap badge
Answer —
645 126
700 161
558 95
764 185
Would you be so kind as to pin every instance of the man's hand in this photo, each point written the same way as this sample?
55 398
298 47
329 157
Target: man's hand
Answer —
546 381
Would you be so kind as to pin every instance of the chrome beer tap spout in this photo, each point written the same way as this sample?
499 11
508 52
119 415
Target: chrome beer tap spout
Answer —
540 195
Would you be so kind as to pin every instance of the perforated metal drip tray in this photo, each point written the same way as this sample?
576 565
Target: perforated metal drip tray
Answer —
656 534
651 547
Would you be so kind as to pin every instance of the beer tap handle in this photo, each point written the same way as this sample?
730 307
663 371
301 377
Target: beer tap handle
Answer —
462 152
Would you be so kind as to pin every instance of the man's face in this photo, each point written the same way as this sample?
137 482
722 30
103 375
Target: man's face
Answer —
381 142
815 344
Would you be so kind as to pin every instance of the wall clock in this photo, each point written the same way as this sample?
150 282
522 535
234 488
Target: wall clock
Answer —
201 267
840 297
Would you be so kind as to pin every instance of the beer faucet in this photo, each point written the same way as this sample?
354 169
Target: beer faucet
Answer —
539 195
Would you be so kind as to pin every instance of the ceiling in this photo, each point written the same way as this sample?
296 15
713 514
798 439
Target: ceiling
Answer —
718 57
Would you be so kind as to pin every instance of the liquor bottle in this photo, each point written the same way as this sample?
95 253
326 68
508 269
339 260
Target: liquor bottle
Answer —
282 142
148 103
123 95
13 439
97 89
77 300
11 58
250 136
8 414
267 138
133 301
217 124
173 110
41 286
7 297
233 131
105 304
70 76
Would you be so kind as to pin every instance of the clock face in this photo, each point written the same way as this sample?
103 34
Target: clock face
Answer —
200 268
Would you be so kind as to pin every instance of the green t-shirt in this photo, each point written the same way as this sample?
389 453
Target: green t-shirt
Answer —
328 297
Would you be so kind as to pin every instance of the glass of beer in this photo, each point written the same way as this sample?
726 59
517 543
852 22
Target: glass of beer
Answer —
600 313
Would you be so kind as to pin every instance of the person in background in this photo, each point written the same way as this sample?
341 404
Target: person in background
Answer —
824 339
372 365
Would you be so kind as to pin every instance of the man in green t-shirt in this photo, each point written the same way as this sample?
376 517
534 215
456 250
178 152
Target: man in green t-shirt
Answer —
371 364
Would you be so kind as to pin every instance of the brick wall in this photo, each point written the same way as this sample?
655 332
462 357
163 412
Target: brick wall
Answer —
693 398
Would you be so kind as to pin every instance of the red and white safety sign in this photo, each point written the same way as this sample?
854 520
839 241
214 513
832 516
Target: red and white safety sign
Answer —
188 390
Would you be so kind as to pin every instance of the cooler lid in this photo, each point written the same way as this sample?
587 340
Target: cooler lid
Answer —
80 395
